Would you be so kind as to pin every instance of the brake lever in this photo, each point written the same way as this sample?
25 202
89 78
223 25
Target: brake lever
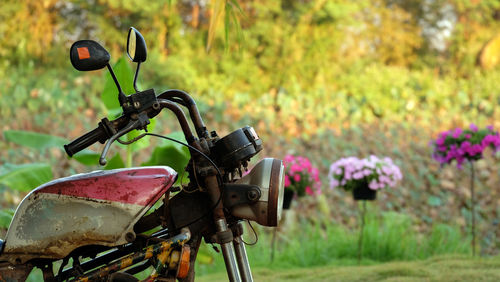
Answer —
129 127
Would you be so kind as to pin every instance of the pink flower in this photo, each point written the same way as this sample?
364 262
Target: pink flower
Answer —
296 177
287 181
309 191
351 171
295 168
300 173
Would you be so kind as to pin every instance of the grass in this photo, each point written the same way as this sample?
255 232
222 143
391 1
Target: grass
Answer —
439 268
389 237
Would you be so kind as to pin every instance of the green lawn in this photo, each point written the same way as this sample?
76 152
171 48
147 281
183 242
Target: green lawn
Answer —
441 268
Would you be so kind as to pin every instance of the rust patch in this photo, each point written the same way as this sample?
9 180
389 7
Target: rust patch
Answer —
9 272
57 249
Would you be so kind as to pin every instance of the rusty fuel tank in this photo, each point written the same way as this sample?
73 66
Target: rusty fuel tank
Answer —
97 208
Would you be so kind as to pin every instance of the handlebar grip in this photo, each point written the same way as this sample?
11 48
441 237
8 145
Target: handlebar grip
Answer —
99 134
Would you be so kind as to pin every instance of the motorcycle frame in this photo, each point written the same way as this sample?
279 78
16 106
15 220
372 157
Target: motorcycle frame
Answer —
132 254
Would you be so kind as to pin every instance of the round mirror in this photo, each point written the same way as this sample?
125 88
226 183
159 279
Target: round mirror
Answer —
131 44
136 46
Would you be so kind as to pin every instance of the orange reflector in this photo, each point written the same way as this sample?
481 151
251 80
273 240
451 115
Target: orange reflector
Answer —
83 53
183 270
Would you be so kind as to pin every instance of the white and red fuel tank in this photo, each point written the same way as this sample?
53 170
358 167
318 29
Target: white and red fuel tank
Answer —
96 208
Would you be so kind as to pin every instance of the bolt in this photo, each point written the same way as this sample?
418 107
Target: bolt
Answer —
252 195
137 105
130 237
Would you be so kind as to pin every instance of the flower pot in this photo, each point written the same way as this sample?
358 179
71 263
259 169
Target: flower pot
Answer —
287 198
363 192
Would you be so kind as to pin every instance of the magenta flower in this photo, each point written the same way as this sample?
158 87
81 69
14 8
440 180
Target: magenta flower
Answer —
457 133
301 176
464 145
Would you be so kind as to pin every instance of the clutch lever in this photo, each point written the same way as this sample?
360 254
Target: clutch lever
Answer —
129 127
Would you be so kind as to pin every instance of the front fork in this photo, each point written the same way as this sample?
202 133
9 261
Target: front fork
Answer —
234 252
241 253
233 249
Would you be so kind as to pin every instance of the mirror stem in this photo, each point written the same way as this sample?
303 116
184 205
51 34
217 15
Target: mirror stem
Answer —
135 76
121 96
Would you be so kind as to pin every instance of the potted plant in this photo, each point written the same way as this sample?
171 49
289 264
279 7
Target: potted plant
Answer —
301 178
364 177
463 145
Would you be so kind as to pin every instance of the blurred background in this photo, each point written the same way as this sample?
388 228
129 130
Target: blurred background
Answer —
322 79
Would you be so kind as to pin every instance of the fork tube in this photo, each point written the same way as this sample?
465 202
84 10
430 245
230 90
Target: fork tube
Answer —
228 252
241 256
224 234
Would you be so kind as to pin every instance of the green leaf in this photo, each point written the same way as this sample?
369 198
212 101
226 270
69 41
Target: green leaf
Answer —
179 136
115 162
25 177
6 217
87 157
434 201
34 140
168 155
125 77
144 142
172 154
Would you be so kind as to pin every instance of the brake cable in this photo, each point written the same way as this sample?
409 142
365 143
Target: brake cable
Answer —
219 173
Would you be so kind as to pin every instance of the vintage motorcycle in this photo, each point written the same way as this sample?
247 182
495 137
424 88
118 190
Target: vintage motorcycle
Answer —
101 226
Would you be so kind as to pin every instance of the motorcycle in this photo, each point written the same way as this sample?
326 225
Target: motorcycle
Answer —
102 225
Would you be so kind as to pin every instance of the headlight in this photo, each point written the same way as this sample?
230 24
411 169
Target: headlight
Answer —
269 176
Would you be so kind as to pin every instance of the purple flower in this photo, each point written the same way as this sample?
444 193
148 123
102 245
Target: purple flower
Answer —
464 144
457 133
377 172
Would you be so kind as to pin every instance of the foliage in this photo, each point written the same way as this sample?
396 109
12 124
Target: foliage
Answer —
6 217
461 145
301 176
322 79
25 177
172 154
33 139
351 172
432 194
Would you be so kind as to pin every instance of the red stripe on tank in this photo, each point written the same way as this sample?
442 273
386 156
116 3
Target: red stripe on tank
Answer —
140 186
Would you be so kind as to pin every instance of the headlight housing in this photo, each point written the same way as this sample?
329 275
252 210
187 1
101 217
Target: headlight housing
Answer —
269 176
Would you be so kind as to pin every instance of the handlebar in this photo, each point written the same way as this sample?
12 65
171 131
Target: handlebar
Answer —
112 130
103 132
100 134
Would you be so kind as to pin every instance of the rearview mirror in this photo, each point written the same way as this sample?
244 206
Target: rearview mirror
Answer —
136 46
88 55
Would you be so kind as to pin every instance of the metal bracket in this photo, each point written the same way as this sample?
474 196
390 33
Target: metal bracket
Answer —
238 194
